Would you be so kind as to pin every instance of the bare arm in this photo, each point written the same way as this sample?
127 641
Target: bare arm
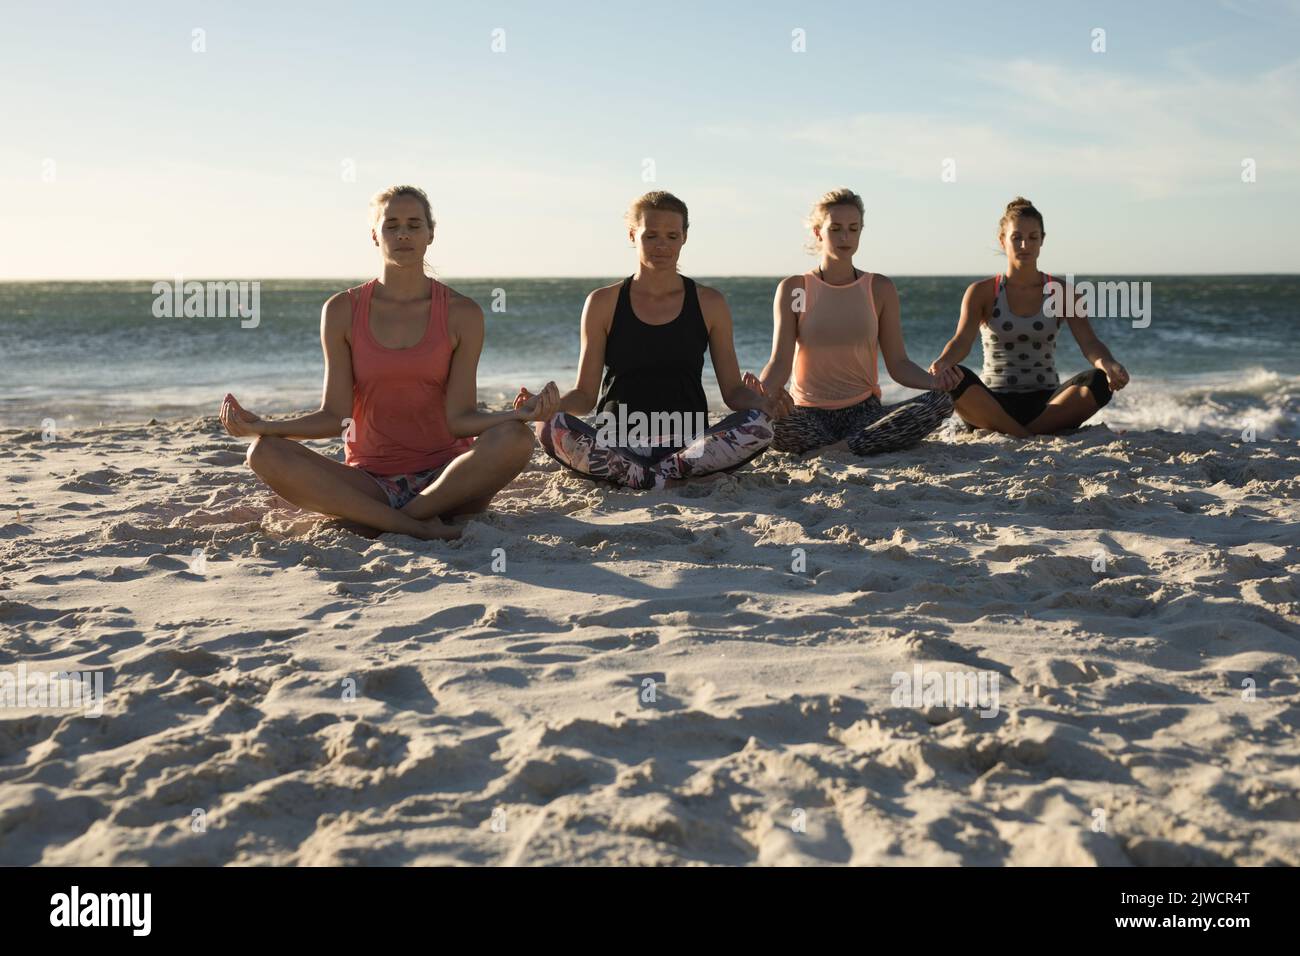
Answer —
901 368
336 393
974 305
785 330
465 329
597 314
1093 349
722 351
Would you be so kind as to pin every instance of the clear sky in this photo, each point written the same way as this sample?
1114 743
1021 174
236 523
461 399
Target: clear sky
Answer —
127 154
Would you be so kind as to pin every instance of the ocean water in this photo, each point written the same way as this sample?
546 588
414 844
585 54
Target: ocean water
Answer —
1221 353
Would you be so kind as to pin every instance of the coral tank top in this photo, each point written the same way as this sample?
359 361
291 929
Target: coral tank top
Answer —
399 396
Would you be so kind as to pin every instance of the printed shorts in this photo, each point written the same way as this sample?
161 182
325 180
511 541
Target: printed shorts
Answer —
402 489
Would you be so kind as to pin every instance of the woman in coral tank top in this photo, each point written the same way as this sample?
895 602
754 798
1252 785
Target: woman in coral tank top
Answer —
401 356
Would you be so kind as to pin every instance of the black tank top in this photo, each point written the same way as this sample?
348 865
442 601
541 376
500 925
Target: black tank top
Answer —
655 368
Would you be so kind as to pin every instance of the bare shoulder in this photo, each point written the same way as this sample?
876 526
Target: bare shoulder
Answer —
713 307
336 314
601 303
462 306
883 290
463 315
605 295
982 289
710 298
977 304
789 296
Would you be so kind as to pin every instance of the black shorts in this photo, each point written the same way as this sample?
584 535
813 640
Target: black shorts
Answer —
1024 407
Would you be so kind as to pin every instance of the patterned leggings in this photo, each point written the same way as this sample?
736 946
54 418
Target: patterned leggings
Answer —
868 427
724 447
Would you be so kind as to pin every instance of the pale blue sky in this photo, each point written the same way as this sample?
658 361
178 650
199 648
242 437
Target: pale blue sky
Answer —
228 163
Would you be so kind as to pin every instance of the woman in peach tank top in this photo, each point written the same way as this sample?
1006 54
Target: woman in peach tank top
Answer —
830 325
401 356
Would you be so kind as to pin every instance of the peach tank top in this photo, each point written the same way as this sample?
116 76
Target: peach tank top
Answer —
836 344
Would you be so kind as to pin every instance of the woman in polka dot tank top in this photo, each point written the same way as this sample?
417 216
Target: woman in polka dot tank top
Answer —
1018 348
1019 392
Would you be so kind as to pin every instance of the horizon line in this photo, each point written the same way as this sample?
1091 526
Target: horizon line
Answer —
594 277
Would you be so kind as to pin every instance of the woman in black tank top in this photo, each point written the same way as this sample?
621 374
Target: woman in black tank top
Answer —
651 427
656 368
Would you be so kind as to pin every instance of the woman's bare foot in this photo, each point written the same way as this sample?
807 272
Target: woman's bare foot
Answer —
435 529
363 530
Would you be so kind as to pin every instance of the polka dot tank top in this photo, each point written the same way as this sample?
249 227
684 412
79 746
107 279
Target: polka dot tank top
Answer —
1018 349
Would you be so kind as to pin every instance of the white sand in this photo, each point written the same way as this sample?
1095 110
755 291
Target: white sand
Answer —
1120 692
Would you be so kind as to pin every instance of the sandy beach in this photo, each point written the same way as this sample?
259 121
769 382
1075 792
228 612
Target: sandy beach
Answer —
707 675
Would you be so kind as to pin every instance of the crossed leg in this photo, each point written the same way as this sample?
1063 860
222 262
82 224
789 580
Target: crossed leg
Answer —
724 447
981 410
977 407
575 444
1069 409
1076 401
316 483
886 428
471 481
732 442
804 429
